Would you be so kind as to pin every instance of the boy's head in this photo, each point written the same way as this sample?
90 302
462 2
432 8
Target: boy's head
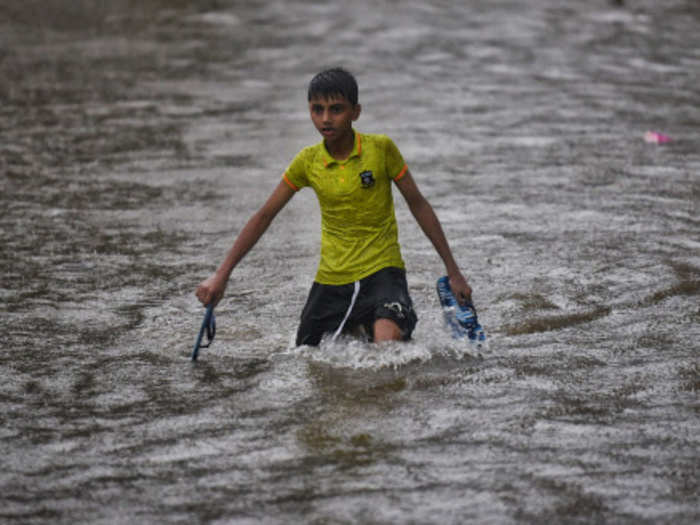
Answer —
332 83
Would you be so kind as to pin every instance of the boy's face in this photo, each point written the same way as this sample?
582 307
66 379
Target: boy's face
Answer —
333 116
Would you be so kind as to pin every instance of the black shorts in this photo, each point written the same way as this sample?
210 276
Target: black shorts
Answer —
346 308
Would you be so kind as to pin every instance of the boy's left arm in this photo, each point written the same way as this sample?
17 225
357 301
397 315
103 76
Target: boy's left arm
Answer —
429 223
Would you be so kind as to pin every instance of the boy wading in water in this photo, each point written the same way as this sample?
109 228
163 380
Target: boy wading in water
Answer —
361 278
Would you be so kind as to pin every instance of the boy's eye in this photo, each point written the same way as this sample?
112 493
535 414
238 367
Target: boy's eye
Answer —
334 108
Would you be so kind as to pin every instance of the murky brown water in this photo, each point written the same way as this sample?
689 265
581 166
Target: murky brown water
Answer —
137 138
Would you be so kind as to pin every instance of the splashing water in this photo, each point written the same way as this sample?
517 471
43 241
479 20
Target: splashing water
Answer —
136 140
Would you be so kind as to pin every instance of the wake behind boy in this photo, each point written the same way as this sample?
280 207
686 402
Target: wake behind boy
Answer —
361 278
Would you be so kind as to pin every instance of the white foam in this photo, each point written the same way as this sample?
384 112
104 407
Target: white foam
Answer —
220 18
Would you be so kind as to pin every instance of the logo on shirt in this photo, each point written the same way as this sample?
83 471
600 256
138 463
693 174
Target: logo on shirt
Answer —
367 179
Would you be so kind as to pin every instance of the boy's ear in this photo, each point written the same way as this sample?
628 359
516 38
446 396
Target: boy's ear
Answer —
356 111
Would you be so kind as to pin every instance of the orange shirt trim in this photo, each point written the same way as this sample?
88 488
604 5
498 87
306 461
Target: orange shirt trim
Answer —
401 173
289 182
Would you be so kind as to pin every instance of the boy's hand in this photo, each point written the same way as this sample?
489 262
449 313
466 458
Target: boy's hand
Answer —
460 288
211 290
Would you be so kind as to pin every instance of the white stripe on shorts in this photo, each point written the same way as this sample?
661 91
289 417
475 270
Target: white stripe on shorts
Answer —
347 314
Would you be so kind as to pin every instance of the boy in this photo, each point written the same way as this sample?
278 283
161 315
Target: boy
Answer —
361 279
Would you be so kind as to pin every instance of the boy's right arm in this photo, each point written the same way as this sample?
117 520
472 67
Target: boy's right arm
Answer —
211 290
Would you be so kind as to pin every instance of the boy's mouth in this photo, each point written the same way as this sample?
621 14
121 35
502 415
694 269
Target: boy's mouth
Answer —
327 131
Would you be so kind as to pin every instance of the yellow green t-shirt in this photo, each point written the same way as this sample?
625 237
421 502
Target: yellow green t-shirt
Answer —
359 234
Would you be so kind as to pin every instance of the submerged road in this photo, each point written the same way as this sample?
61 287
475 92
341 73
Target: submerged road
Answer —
136 140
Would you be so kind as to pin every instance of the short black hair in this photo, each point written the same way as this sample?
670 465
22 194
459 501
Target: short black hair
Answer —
333 82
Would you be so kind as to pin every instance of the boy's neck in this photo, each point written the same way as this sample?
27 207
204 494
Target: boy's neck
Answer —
342 148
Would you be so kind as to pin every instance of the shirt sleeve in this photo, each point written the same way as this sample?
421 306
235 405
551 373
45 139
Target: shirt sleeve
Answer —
395 165
295 175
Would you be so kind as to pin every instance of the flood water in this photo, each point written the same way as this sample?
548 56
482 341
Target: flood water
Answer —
136 138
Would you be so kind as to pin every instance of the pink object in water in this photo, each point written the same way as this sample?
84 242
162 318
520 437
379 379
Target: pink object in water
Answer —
656 138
